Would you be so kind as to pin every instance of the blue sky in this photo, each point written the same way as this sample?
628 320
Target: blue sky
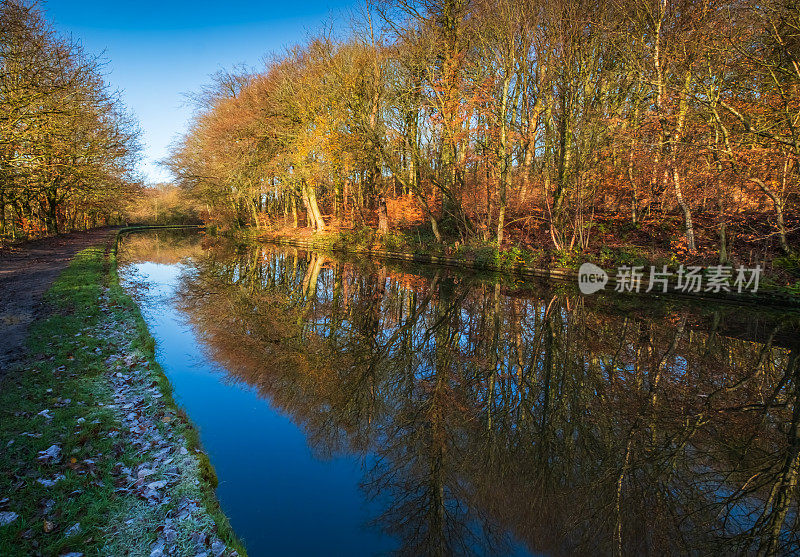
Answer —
158 51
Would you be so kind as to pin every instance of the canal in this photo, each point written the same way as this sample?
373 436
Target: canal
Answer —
366 407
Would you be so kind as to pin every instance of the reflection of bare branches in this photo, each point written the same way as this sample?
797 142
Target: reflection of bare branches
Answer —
785 487
492 419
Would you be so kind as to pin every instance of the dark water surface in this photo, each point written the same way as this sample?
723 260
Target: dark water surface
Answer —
355 407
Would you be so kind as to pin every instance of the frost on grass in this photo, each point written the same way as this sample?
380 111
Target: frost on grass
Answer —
7 517
51 454
96 456
163 513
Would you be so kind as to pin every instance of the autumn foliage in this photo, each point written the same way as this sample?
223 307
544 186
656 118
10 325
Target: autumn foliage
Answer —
563 125
67 146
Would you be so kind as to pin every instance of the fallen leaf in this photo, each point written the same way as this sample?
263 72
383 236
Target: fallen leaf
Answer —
52 453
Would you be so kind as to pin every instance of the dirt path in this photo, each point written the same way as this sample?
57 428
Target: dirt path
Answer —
26 272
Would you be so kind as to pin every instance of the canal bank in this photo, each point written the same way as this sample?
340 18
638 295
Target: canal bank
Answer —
515 266
97 457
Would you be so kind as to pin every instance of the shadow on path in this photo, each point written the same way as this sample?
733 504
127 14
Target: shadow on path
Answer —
26 272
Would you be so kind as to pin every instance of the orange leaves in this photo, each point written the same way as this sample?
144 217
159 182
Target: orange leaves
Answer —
405 211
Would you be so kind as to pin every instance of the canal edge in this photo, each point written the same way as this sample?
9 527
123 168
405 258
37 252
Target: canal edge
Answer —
205 477
769 297
97 457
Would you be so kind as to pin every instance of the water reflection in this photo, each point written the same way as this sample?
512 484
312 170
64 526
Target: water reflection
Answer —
493 419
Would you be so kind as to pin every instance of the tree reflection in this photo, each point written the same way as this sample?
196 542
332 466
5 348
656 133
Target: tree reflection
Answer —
491 418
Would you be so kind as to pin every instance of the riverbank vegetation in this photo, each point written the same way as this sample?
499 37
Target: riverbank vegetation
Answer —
67 144
97 458
666 129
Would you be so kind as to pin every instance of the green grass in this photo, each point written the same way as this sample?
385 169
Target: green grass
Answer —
68 350
67 363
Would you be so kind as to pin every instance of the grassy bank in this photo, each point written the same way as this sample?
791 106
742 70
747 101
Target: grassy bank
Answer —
779 283
97 459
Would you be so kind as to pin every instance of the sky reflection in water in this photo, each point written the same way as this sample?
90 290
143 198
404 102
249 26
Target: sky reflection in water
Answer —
360 408
271 486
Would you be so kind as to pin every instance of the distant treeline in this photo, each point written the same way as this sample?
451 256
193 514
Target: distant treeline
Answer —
164 204
553 121
67 146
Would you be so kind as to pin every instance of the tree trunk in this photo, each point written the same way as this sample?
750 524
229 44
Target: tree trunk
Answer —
723 234
316 216
435 228
383 215
687 213
777 203
2 212
52 215
503 160
683 109
254 210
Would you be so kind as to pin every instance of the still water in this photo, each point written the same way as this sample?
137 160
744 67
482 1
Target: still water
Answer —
356 407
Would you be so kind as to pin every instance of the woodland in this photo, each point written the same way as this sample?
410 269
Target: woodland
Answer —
68 147
549 132
659 128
